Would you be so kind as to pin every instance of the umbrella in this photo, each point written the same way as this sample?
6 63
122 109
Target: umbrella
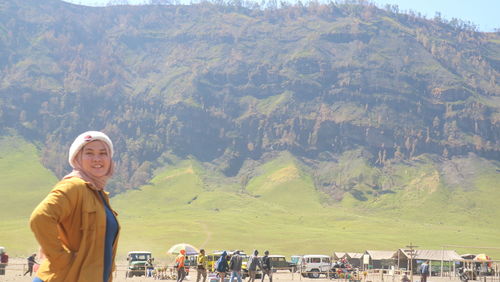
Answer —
190 249
482 257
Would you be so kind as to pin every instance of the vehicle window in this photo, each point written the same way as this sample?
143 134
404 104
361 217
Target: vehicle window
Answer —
315 260
281 259
327 260
134 257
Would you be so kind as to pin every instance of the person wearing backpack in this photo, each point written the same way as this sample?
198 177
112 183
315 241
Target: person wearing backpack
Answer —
253 263
266 267
235 266
180 265
221 266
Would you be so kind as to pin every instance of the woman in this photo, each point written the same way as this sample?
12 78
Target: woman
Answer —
75 225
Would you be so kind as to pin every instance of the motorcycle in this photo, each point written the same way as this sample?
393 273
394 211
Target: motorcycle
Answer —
462 274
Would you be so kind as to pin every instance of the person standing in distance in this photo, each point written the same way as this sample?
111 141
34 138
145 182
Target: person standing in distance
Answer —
201 266
266 267
424 271
235 266
222 266
253 263
31 262
180 263
75 225
4 260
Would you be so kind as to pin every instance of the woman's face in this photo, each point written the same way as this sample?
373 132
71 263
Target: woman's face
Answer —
95 159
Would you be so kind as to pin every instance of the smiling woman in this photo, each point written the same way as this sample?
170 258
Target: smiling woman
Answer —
95 159
75 225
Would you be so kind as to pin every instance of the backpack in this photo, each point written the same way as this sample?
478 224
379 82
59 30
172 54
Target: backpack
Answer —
219 264
424 269
216 266
266 263
4 258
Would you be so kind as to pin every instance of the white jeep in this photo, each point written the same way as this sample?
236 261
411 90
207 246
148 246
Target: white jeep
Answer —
313 266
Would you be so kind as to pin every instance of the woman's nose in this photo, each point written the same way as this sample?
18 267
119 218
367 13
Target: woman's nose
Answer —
97 157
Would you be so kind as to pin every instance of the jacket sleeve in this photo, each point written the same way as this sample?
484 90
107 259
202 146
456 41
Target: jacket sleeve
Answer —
44 220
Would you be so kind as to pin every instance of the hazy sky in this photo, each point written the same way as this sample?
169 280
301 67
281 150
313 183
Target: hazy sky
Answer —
484 13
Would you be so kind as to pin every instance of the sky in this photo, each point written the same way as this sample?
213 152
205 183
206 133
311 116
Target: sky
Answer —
483 13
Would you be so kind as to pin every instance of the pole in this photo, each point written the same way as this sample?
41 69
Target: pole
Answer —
442 258
412 255
398 259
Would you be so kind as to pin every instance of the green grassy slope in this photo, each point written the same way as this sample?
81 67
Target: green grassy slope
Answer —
24 182
278 209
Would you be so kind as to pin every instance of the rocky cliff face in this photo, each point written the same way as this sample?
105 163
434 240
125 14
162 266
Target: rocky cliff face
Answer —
225 83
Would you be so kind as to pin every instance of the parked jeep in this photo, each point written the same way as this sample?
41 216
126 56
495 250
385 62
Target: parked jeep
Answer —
313 266
137 263
279 262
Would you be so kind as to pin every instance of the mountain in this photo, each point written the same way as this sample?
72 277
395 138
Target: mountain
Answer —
316 113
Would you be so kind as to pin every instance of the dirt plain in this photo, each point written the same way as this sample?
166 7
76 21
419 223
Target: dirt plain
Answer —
17 266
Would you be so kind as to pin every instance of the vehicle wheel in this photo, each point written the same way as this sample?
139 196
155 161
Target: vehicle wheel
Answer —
314 273
130 274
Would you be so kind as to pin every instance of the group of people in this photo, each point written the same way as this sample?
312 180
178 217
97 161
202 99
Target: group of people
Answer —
4 260
227 264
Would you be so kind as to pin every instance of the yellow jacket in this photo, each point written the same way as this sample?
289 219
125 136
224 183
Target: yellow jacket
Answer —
202 261
70 226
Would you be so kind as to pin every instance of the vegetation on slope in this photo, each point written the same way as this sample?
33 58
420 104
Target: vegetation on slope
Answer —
310 79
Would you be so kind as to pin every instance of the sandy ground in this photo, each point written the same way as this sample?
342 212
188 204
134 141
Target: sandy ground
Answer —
16 268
